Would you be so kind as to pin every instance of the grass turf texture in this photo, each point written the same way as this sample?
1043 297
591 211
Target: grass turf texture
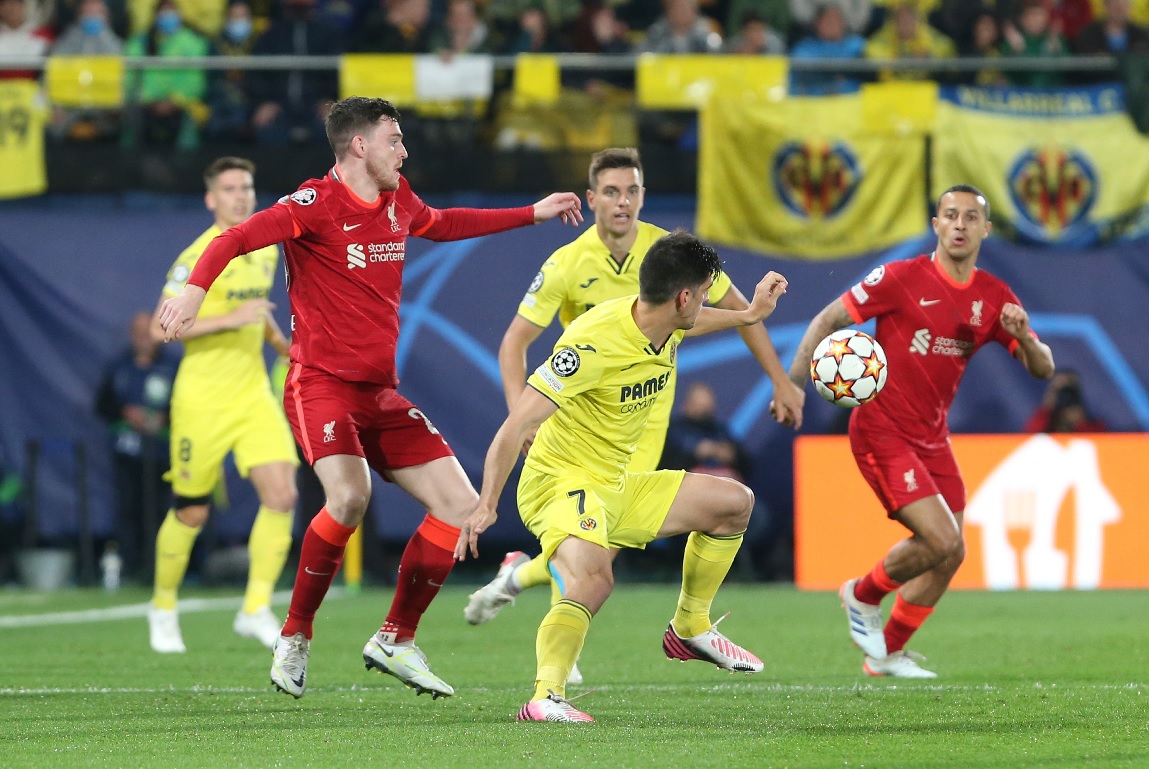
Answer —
1026 680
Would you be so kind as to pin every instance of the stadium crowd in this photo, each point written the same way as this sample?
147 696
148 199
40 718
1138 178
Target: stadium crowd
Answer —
181 106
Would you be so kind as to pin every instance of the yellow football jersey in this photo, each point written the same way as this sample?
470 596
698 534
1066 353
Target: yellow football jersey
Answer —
219 367
583 274
605 377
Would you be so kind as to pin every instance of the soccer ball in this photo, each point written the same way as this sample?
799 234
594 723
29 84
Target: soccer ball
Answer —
848 368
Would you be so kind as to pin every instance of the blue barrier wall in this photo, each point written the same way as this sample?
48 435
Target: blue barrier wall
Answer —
72 272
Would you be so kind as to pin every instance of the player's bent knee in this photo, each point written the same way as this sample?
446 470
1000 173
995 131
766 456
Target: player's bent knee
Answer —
347 505
282 500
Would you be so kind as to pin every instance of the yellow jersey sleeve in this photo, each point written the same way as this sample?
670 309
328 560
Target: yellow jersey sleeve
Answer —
720 288
573 368
546 293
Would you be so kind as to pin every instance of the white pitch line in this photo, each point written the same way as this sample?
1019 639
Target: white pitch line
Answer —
130 611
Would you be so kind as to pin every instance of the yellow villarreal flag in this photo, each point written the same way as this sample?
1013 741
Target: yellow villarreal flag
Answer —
807 178
21 139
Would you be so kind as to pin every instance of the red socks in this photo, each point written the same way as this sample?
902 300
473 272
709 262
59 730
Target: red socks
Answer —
875 586
904 620
427 560
319 561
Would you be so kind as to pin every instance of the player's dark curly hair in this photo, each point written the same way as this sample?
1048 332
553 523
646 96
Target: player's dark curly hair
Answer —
965 188
219 165
613 157
676 261
355 116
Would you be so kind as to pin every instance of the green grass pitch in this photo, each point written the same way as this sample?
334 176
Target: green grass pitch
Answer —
1025 680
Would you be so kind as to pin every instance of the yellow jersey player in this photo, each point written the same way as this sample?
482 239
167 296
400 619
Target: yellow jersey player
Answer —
603 264
222 402
591 404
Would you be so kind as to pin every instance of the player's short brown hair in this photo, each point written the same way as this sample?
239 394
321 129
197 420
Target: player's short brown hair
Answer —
355 116
613 157
676 261
965 188
228 163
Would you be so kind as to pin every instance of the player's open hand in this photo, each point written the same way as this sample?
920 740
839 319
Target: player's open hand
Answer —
1015 320
565 205
177 313
477 521
786 406
766 295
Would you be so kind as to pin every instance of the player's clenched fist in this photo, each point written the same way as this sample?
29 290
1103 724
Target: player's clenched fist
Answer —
766 295
178 313
1015 320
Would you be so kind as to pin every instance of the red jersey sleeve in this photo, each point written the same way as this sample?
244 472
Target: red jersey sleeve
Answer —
272 225
460 223
875 294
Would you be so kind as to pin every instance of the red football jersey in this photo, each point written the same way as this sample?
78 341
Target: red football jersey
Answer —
344 261
930 326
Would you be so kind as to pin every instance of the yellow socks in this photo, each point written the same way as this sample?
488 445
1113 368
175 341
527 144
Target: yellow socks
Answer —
704 566
558 645
267 549
173 549
533 573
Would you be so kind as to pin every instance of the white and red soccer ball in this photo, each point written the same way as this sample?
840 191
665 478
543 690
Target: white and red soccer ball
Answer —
848 368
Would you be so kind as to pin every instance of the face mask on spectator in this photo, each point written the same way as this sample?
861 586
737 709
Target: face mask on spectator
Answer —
238 30
91 25
168 21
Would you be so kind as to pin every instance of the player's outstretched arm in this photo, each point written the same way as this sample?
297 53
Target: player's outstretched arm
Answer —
530 411
766 295
1033 354
788 398
565 205
832 317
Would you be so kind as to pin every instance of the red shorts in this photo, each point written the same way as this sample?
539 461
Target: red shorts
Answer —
331 416
900 472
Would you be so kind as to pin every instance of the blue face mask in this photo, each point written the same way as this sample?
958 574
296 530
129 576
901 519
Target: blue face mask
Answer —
238 30
91 25
168 22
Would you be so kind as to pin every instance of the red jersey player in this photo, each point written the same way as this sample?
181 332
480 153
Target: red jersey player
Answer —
933 312
345 242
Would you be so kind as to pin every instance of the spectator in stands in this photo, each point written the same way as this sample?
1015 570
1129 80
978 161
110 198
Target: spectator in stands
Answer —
462 31
134 399
291 106
956 18
599 30
831 40
20 38
229 94
775 14
697 440
1113 34
534 35
756 38
395 26
1031 33
65 13
638 14
505 18
1062 409
89 35
906 35
682 29
985 43
166 106
856 14
1070 17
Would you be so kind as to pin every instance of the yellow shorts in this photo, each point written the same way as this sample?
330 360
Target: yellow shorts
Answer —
629 515
255 430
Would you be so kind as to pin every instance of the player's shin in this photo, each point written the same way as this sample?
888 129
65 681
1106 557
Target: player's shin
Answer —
174 543
704 566
319 559
267 549
558 645
423 569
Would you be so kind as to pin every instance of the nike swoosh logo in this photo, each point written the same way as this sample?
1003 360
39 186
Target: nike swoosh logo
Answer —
317 573
587 284
433 583
928 302
350 227
299 681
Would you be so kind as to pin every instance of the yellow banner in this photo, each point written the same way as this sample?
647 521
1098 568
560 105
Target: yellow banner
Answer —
807 178
1065 167
21 139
